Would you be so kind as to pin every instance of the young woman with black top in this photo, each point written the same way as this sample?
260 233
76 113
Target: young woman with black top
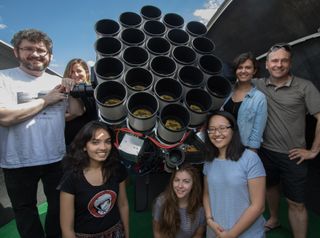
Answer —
93 199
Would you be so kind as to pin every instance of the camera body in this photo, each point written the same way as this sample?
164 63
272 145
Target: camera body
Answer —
82 90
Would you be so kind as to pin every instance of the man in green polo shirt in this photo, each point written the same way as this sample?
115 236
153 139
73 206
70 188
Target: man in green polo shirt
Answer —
283 151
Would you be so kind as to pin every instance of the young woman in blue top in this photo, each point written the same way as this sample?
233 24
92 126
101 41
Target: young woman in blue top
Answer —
234 183
247 104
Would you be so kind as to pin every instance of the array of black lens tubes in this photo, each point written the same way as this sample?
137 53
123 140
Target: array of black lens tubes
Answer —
155 71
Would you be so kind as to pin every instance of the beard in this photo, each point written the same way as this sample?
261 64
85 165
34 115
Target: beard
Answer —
29 63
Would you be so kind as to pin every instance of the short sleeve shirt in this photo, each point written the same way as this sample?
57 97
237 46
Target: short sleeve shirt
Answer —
187 227
38 140
287 108
228 190
96 208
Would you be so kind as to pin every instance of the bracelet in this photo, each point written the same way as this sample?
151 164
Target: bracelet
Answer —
209 218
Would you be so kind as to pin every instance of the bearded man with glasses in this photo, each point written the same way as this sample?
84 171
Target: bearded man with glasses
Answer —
283 150
32 120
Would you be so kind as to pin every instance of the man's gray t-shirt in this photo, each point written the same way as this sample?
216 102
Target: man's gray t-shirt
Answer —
38 140
287 109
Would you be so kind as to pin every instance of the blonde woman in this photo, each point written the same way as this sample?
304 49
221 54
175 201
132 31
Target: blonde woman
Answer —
78 70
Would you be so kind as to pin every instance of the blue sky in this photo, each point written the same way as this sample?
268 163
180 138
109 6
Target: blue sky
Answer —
70 23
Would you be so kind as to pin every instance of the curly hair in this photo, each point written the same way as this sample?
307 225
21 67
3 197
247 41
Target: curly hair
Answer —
77 159
235 147
170 216
34 36
68 70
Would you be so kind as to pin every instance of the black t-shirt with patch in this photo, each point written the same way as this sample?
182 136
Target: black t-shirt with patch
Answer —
96 208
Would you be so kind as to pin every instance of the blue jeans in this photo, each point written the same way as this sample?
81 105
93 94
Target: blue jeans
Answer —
22 186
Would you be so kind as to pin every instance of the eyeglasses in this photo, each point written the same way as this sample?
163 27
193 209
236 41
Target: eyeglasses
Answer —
30 50
221 129
278 46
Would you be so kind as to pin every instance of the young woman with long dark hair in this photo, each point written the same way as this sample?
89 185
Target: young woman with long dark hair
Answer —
93 199
234 182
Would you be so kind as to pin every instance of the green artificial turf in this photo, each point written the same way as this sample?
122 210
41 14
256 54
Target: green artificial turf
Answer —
141 222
